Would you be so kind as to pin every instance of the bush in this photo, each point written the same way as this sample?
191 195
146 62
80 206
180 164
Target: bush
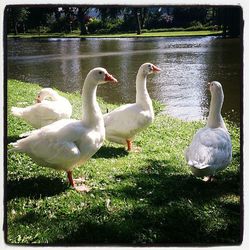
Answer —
156 21
114 26
95 25
195 24
166 29
99 27
197 28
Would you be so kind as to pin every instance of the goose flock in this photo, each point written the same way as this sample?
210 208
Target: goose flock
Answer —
62 143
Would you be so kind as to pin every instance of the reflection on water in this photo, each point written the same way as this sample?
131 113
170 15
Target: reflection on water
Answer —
187 65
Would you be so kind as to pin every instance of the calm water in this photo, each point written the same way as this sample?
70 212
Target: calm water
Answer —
187 65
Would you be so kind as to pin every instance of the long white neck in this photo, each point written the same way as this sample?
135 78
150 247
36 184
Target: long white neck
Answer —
215 119
92 114
142 96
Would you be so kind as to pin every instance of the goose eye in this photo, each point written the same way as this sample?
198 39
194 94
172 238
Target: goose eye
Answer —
100 72
212 84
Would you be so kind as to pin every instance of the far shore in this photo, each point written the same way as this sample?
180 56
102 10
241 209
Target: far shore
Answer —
120 35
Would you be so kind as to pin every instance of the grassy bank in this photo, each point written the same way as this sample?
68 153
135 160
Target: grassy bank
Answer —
136 198
122 35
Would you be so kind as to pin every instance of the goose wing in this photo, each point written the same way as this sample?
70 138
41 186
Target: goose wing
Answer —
126 120
210 147
55 144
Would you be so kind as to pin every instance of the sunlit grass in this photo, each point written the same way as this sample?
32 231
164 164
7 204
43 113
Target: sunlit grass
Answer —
122 35
136 198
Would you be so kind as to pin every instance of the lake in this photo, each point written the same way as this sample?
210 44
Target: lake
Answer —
187 64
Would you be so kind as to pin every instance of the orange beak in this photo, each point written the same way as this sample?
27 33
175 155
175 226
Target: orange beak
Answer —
110 78
156 69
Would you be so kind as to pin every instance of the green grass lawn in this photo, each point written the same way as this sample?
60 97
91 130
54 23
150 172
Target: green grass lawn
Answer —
122 35
136 198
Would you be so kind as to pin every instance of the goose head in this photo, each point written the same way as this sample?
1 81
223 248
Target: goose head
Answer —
100 75
148 68
44 93
216 90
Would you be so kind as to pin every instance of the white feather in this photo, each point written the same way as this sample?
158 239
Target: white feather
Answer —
67 143
211 149
125 122
46 112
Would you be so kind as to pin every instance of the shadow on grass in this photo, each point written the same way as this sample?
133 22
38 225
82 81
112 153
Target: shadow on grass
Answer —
35 187
13 138
110 152
160 184
155 206
167 208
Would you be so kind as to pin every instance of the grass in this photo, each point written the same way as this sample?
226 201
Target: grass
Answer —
146 198
120 35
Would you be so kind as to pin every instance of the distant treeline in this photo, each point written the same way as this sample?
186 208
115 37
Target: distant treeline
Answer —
103 20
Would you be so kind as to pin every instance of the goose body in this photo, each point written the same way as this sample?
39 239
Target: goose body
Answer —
63 144
67 143
120 129
123 123
211 149
45 112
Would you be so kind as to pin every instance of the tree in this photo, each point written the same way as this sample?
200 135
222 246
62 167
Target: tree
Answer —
138 20
38 16
159 17
108 14
83 19
183 16
69 18
134 18
230 19
16 18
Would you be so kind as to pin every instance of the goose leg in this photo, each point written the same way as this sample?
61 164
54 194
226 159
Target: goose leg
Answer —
129 144
131 148
70 178
81 188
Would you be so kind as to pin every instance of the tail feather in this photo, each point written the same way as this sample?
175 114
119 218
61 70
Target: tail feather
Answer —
17 111
26 134
15 147
197 165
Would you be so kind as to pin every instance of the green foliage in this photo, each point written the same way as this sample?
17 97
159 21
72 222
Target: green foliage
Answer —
157 21
60 25
184 17
95 25
115 20
114 27
231 20
16 17
98 27
144 198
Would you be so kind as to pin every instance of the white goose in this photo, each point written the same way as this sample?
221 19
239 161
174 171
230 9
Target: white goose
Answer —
45 112
211 147
67 143
123 123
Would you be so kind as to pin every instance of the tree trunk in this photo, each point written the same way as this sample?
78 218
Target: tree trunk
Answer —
82 19
83 28
143 16
24 30
138 22
16 29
